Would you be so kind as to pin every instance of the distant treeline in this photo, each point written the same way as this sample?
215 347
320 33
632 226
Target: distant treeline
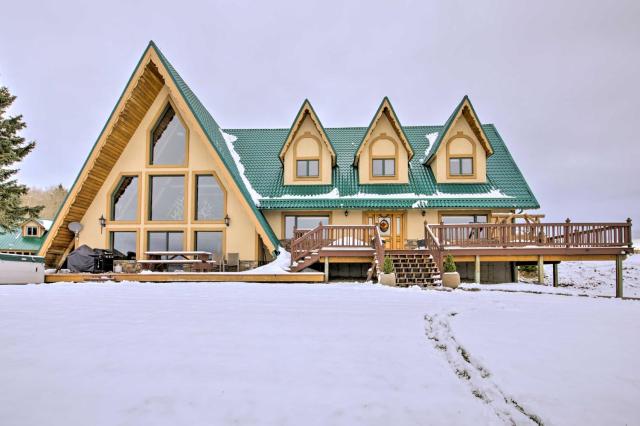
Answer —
51 198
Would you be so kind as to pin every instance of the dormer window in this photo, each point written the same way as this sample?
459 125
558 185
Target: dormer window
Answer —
307 168
383 167
32 231
168 140
461 166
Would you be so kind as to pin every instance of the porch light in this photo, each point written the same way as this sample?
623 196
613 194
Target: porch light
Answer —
424 213
103 222
346 212
227 220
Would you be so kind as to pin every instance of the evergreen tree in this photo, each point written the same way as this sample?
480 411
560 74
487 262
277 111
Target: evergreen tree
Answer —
13 148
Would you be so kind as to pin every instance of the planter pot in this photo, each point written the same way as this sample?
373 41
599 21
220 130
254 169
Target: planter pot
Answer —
451 279
387 279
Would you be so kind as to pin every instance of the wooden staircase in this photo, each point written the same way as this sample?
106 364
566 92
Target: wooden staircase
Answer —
337 241
306 261
417 268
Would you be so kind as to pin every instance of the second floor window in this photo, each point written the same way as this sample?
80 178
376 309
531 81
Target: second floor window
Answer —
461 166
383 167
32 231
307 168
124 200
168 140
166 198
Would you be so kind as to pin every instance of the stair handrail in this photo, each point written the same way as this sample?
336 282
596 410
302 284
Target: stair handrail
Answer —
432 244
305 244
378 245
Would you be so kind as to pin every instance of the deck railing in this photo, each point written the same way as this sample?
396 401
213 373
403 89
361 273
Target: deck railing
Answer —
432 244
567 234
336 237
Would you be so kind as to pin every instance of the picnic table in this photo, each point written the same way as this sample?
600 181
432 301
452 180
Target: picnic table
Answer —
197 260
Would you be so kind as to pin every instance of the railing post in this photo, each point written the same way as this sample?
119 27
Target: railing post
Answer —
628 235
566 233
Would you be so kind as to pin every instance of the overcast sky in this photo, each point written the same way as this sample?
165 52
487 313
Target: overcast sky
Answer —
559 79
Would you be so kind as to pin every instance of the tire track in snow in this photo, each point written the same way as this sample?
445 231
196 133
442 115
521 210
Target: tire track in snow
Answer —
476 376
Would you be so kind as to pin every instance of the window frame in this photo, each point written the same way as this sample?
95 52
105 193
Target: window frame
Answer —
307 161
384 162
459 159
110 233
28 227
194 183
110 198
168 102
327 214
149 191
220 230
149 231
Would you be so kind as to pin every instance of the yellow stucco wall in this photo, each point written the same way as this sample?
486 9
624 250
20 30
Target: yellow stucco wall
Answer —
306 143
240 237
384 142
460 140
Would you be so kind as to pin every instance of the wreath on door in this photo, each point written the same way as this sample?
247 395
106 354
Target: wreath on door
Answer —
383 225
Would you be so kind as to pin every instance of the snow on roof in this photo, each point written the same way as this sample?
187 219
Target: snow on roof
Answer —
335 194
229 140
431 137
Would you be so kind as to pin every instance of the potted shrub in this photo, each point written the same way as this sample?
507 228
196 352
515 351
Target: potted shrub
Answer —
450 278
388 276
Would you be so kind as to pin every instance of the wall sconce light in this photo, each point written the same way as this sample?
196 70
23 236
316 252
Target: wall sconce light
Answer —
346 212
103 222
227 220
424 213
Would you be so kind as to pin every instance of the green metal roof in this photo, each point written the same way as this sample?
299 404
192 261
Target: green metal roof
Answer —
259 148
14 241
21 258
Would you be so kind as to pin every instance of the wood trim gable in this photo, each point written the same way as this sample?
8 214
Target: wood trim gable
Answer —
384 108
140 92
307 110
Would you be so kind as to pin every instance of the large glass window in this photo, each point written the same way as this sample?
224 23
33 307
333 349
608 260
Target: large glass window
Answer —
209 198
474 234
302 222
384 167
307 168
124 243
168 140
210 241
165 241
166 198
461 166
124 200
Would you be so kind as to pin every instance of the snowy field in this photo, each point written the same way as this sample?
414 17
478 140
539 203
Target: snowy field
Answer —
339 354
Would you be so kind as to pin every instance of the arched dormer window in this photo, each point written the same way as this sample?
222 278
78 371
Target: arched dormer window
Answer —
383 154
461 154
168 144
308 157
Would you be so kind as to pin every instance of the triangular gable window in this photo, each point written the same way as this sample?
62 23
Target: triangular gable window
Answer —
168 140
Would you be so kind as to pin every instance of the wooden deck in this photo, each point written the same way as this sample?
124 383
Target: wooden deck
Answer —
158 277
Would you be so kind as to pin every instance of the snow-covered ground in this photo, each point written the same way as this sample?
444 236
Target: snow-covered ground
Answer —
591 278
343 354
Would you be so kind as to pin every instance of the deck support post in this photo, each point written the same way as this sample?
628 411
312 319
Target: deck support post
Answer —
555 275
619 259
477 270
540 269
515 276
326 269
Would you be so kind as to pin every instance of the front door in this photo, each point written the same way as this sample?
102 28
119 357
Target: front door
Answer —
391 226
